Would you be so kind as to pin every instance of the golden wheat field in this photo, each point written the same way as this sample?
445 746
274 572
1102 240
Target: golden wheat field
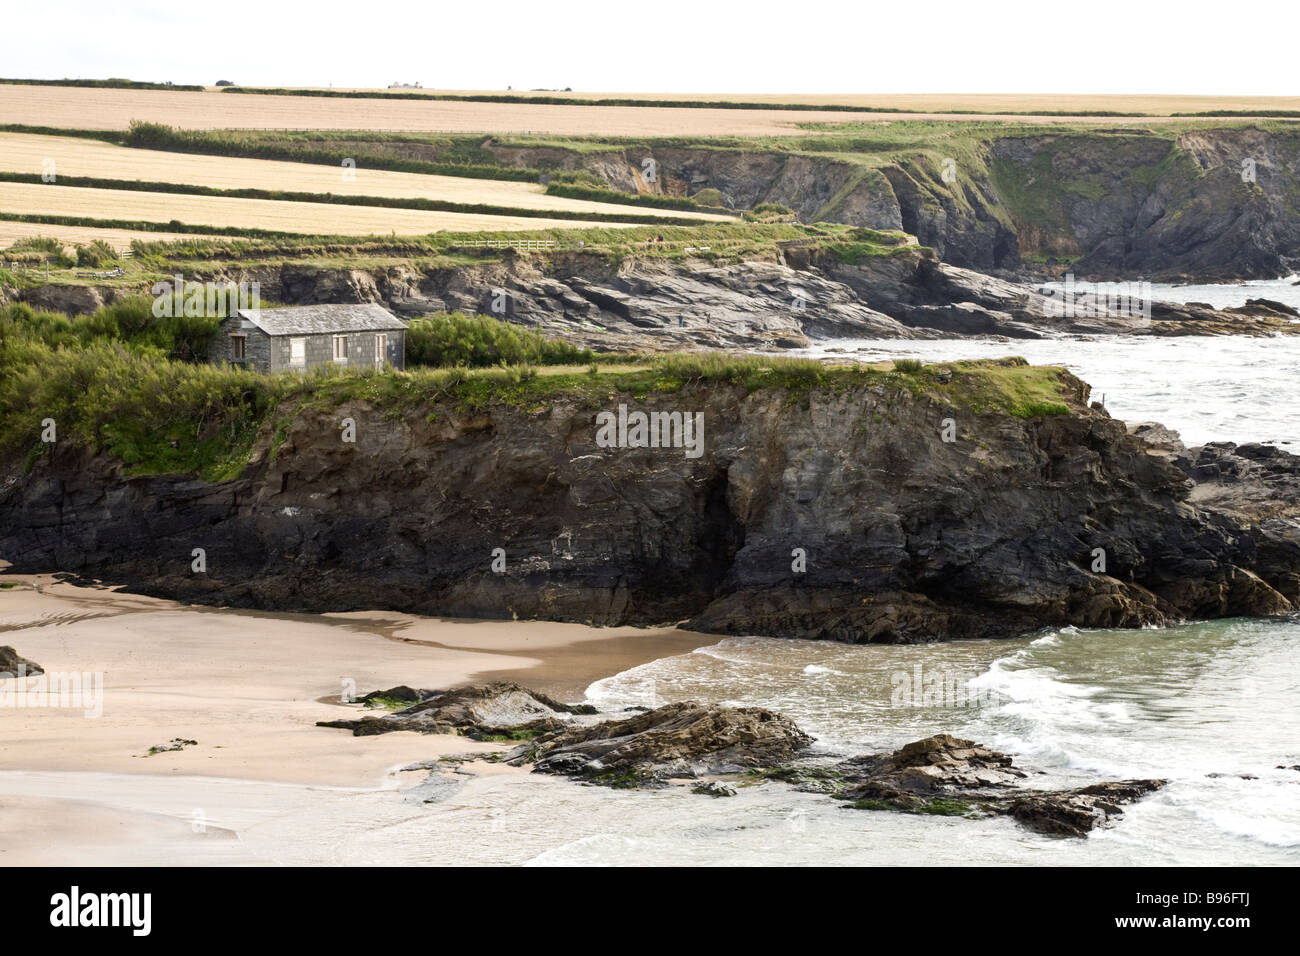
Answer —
303 217
119 239
93 108
981 103
24 153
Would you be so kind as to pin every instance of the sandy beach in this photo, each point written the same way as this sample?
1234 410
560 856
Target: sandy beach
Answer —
248 687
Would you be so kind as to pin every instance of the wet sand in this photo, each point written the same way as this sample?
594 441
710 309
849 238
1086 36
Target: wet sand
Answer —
248 687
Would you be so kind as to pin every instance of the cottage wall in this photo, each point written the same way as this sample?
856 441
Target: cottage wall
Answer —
257 344
318 349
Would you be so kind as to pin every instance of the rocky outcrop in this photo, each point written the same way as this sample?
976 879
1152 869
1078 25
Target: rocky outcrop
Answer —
931 297
825 512
68 299
11 663
501 707
681 740
677 740
797 292
1252 482
1209 203
817 188
802 294
690 741
948 776
638 305
1075 812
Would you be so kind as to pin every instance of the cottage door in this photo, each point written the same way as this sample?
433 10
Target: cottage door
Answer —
381 348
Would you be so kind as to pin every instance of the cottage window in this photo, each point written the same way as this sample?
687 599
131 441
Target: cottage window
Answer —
340 348
297 352
237 351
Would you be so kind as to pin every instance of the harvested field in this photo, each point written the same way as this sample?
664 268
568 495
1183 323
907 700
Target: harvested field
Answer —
24 153
95 108
119 239
303 217
1145 104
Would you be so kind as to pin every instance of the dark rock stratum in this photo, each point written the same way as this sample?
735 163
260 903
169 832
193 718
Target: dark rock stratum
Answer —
907 538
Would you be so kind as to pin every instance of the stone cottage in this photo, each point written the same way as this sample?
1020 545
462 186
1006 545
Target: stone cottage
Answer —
305 336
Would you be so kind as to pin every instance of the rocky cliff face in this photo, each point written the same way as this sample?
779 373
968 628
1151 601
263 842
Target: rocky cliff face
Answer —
835 513
1207 203
961 221
1211 203
800 294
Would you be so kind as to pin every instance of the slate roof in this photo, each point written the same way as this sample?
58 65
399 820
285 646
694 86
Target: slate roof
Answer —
322 319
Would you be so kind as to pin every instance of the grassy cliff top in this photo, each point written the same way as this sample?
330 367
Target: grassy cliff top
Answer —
206 254
158 415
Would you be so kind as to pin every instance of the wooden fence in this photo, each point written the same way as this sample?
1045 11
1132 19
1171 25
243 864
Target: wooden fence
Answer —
525 244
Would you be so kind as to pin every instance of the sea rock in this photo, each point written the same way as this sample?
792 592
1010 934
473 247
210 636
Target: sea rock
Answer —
400 692
936 765
1075 812
1157 436
951 776
684 739
10 662
1254 483
495 708
714 788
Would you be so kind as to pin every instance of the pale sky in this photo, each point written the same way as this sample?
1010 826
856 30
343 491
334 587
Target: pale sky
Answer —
931 46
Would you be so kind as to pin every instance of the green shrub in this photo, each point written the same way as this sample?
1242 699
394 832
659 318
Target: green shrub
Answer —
46 245
450 340
770 212
154 414
129 322
96 254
